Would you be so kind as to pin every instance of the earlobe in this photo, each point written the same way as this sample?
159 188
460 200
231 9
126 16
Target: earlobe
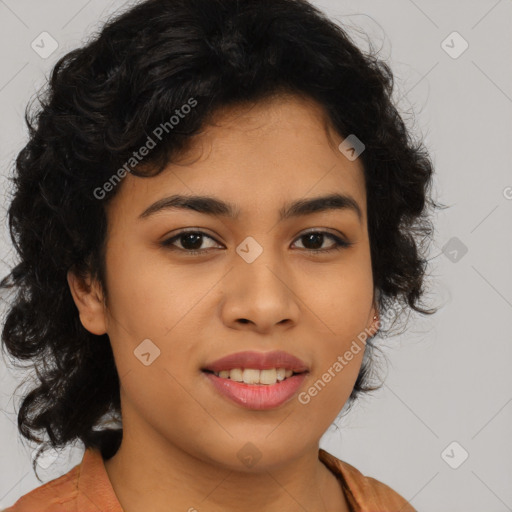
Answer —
88 298
375 323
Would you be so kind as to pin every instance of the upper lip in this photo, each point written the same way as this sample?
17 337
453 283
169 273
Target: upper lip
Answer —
258 361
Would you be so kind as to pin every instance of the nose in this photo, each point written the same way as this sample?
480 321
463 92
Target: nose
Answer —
261 295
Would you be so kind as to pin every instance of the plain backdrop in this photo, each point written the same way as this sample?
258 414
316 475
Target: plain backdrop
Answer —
438 432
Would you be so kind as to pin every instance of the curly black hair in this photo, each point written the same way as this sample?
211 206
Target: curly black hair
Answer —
101 104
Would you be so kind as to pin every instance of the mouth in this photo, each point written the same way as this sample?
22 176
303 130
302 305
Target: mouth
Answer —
254 376
256 380
251 361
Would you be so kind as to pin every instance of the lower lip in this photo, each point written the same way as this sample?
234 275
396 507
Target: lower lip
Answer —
257 396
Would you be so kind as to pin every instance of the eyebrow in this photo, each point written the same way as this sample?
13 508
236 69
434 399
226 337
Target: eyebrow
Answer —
212 206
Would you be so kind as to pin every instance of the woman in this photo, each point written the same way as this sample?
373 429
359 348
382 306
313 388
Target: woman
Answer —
214 211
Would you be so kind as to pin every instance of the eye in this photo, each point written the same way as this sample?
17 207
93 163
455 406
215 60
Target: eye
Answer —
191 242
317 238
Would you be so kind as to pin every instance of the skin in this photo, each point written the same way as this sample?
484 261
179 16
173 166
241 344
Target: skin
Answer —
181 438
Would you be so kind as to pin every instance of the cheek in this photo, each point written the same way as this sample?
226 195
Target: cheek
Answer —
340 297
341 302
148 296
150 306
163 398
332 379
326 393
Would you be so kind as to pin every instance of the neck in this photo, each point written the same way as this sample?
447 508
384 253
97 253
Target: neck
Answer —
163 478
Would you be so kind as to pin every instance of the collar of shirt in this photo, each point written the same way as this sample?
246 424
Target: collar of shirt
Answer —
87 488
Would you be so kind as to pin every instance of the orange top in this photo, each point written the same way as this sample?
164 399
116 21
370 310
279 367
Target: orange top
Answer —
87 488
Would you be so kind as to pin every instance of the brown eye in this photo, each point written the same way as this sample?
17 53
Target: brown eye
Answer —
314 240
190 242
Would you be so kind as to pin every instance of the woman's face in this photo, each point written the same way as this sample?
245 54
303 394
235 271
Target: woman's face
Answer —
259 285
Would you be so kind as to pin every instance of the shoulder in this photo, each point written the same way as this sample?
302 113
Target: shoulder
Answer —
364 491
85 488
58 495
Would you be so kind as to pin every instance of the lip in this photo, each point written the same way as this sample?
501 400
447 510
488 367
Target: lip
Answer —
258 361
257 396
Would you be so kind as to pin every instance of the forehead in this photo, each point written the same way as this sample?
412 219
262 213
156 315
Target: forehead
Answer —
254 155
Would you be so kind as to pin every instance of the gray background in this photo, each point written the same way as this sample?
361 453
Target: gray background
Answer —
449 375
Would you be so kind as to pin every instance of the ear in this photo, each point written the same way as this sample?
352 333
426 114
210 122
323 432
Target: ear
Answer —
88 297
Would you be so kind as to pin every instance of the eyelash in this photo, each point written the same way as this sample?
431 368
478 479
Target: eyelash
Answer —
339 243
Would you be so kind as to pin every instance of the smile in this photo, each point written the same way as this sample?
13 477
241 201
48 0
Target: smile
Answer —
255 376
256 395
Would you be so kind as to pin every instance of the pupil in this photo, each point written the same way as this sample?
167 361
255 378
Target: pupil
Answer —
316 236
192 236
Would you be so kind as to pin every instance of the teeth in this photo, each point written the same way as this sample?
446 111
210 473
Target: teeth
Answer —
253 376
236 374
268 376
